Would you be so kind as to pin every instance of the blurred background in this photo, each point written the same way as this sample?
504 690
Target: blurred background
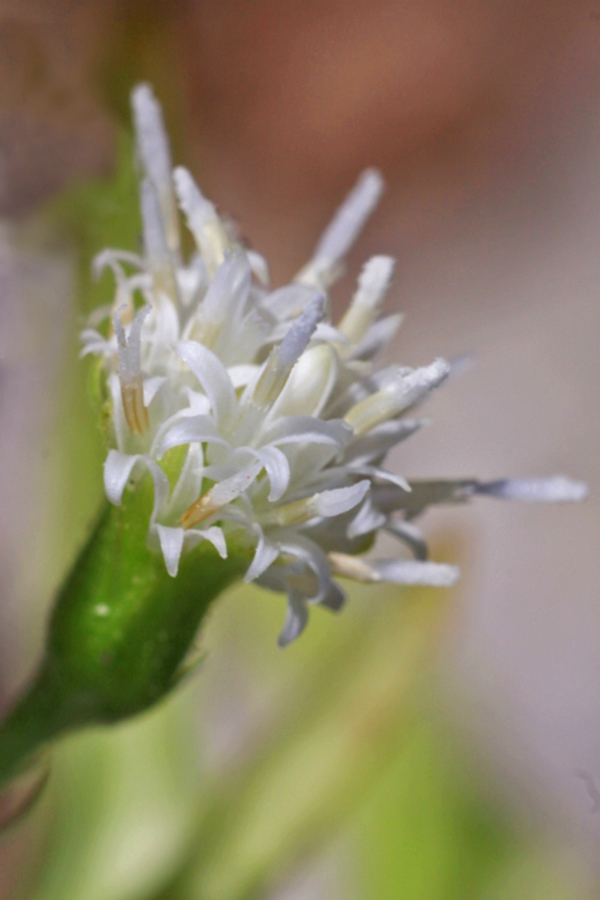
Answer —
420 745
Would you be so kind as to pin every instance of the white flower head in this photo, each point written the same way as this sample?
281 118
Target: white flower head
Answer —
281 418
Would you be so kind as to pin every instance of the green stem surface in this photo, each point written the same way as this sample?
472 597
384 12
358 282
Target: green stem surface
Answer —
119 633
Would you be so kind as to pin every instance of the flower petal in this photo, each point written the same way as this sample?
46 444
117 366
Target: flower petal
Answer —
266 554
340 500
295 620
117 470
171 544
198 429
212 375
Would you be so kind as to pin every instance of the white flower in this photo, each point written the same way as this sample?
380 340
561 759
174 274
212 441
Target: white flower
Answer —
282 419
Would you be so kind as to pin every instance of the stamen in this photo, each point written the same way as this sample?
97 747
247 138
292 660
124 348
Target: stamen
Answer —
352 567
130 375
283 358
220 495
153 147
343 230
203 220
366 304
157 251
395 397
133 406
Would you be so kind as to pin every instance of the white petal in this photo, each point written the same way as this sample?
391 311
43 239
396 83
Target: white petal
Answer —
380 440
366 520
199 429
335 598
378 335
242 375
266 554
310 383
259 266
410 535
382 474
214 534
152 387
295 620
228 291
232 487
212 375
171 544
414 572
287 302
309 430
277 468
340 500
545 490
202 219
117 470
308 552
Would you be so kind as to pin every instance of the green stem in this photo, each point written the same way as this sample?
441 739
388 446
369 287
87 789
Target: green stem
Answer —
119 633
34 721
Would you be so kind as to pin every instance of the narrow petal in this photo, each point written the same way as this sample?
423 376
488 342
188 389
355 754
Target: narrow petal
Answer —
306 429
198 429
266 554
410 535
212 375
295 621
214 534
228 290
343 230
381 474
277 468
340 500
378 335
203 221
335 598
117 470
151 387
366 520
171 544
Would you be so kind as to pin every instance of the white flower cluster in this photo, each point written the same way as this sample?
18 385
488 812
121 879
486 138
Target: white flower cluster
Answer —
282 418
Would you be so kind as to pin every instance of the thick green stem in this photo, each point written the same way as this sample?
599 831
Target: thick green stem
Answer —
119 633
